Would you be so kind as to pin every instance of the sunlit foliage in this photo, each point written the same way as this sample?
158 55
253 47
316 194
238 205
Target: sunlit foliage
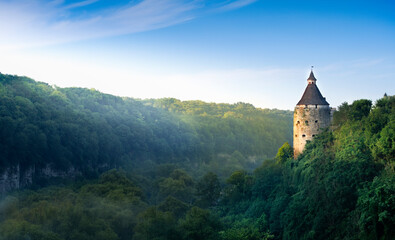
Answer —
184 169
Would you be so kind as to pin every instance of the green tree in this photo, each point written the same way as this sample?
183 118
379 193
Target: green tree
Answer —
248 229
239 186
200 224
360 109
208 190
284 153
384 148
178 185
175 206
156 225
20 230
376 207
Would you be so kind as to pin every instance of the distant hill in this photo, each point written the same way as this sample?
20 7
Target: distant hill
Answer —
47 131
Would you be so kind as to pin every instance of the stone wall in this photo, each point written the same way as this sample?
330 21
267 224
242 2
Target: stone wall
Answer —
309 120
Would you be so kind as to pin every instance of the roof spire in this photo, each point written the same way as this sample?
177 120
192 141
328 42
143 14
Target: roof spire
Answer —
311 78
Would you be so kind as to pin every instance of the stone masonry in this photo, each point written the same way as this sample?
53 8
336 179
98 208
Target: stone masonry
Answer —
312 114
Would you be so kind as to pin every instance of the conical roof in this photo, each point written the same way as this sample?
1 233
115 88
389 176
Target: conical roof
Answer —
311 77
312 95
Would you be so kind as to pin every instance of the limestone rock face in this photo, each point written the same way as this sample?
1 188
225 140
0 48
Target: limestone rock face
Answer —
9 179
13 177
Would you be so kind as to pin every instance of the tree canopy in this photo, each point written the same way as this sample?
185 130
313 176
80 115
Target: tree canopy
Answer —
167 169
91 132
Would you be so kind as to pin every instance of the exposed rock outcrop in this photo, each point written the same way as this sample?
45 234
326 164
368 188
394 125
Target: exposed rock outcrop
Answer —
13 178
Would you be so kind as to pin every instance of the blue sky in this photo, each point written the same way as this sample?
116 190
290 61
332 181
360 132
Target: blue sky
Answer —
252 51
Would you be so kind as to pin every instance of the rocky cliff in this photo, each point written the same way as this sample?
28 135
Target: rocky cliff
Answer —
15 177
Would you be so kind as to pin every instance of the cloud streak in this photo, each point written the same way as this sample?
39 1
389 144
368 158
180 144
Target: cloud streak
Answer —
39 23
236 4
80 4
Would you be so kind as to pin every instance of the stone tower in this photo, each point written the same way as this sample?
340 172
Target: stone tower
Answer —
311 115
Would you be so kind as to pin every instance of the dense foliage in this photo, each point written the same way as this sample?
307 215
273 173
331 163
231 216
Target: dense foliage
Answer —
341 187
89 131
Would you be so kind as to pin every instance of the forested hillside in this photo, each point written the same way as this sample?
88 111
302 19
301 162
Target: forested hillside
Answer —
341 187
84 132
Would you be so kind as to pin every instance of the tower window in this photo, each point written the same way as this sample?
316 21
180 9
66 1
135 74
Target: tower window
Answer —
303 135
297 122
316 121
306 122
316 106
313 135
296 135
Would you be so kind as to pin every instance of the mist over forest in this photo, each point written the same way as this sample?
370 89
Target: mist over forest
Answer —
79 164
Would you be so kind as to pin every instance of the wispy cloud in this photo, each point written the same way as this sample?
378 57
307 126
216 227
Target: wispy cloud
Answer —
38 22
236 4
80 4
